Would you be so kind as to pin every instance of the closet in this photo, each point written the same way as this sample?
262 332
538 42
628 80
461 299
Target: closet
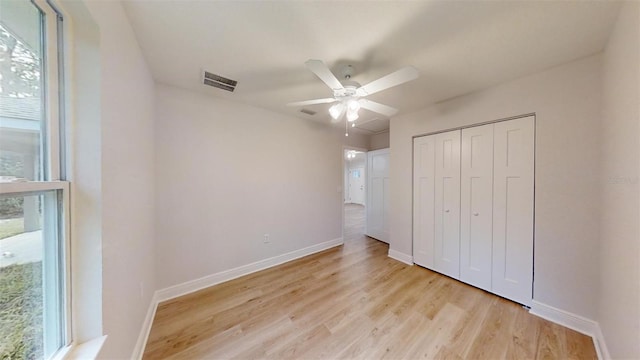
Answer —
473 206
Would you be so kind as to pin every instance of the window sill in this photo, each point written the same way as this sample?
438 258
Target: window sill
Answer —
86 350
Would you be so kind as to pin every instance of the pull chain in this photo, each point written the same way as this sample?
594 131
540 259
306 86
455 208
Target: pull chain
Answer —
346 128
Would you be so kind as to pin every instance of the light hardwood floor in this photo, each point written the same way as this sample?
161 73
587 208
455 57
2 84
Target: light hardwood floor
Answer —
354 302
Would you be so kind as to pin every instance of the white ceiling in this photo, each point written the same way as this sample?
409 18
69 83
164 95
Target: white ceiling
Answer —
458 46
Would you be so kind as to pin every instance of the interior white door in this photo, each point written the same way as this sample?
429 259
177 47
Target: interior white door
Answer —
476 206
447 204
513 209
424 172
378 195
356 186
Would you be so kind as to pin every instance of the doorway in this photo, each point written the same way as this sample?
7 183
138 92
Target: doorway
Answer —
354 194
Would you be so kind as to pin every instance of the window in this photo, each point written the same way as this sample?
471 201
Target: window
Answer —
34 267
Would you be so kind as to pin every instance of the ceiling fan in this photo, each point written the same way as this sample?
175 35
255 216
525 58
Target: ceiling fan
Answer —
350 96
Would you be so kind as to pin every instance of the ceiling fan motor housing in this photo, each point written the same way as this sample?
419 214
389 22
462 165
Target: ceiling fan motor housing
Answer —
349 91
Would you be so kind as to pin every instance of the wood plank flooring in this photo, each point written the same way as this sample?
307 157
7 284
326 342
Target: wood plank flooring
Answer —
354 302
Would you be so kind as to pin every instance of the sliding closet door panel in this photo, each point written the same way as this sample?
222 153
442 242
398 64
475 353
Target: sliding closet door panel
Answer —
476 206
513 209
424 168
447 204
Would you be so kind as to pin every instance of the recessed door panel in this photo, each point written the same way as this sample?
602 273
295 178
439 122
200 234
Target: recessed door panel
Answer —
450 247
512 274
447 203
424 156
476 206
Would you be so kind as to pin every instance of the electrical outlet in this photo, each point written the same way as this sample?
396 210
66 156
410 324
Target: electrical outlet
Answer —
266 239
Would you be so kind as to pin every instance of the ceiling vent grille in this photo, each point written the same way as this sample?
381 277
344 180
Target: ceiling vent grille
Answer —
219 82
308 112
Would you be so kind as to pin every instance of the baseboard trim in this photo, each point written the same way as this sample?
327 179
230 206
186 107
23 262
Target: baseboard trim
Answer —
575 322
402 257
601 345
138 350
217 278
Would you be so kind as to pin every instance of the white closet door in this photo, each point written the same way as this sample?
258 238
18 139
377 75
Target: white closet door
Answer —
447 204
476 206
424 171
378 195
513 209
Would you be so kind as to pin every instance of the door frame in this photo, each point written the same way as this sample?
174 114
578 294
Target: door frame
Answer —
344 174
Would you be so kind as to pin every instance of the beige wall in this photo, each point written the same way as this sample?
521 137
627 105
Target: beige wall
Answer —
619 253
228 173
566 100
127 165
379 141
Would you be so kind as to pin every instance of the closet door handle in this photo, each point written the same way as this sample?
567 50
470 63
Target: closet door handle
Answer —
476 214
446 210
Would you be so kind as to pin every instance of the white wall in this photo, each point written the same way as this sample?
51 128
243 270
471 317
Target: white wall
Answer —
619 301
566 100
84 169
228 173
379 141
127 115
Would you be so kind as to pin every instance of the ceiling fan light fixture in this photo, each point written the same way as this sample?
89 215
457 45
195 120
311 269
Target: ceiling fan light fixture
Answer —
352 115
336 110
353 105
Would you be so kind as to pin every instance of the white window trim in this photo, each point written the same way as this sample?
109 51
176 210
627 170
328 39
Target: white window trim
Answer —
53 160
52 90
32 186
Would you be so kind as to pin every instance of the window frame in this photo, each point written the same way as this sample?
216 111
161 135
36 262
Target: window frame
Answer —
53 60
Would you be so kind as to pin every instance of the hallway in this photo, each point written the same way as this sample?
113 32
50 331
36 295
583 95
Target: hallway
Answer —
354 221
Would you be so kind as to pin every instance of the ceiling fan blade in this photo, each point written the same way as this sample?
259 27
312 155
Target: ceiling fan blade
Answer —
312 102
377 107
322 71
395 78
